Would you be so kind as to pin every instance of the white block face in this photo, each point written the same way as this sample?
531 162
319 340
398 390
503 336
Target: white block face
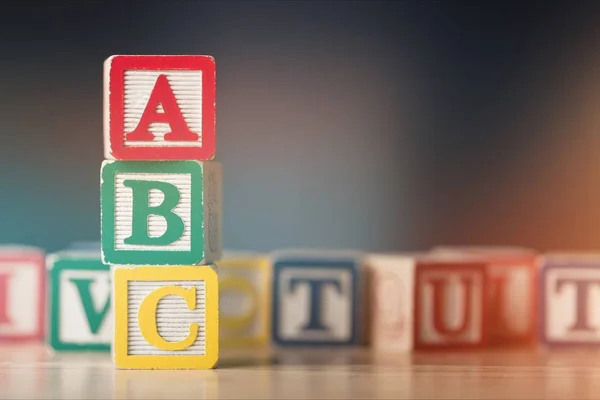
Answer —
186 87
74 325
241 313
331 318
173 318
572 305
515 307
457 315
20 299
392 288
157 225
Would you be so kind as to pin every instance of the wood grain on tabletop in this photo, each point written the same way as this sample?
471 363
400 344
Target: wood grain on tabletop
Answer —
33 372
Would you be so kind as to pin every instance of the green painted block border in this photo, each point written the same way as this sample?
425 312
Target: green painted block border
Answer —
110 255
61 264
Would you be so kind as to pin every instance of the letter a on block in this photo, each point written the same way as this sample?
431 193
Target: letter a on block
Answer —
166 318
154 213
159 108
162 95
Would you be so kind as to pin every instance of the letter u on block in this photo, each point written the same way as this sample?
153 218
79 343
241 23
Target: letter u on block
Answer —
166 317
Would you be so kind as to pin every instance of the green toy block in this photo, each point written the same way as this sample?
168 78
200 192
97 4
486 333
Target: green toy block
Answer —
80 310
160 212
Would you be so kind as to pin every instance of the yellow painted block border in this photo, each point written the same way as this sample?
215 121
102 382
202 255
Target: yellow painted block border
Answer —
263 265
123 275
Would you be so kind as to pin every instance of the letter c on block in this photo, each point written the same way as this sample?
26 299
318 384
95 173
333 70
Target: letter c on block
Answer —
147 317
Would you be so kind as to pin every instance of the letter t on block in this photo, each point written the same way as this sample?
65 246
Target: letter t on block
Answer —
159 108
570 295
315 298
161 213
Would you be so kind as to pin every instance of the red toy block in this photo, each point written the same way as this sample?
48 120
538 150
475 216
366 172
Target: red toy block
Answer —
22 293
159 107
450 310
511 303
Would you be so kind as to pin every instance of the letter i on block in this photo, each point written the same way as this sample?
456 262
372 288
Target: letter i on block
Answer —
22 293
316 297
450 310
166 317
161 212
159 107
80 301
570 298
244 299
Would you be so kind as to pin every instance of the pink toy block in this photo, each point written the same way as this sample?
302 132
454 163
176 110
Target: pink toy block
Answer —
22 293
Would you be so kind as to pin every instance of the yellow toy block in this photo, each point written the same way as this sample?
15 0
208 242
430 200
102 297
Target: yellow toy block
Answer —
166 317
244 297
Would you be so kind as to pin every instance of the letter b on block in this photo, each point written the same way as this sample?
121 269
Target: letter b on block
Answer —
166 317
161 213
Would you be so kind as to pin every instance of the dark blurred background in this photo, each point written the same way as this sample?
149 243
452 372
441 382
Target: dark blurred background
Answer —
377 125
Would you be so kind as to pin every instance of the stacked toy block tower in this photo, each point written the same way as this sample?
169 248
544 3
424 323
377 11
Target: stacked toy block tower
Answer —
161 210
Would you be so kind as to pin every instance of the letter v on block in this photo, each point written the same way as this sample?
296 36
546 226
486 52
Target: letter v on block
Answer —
94 316
80 312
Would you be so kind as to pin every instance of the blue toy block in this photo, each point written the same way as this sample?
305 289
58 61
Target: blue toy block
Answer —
316 297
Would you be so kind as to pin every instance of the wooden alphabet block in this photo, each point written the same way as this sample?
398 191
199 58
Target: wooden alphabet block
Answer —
159 107
166 317
316 297
244 299
570 300
161 213
512 296
22 293
391 301
450 310
81 315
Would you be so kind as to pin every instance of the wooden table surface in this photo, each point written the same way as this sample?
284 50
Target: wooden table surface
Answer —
33 372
